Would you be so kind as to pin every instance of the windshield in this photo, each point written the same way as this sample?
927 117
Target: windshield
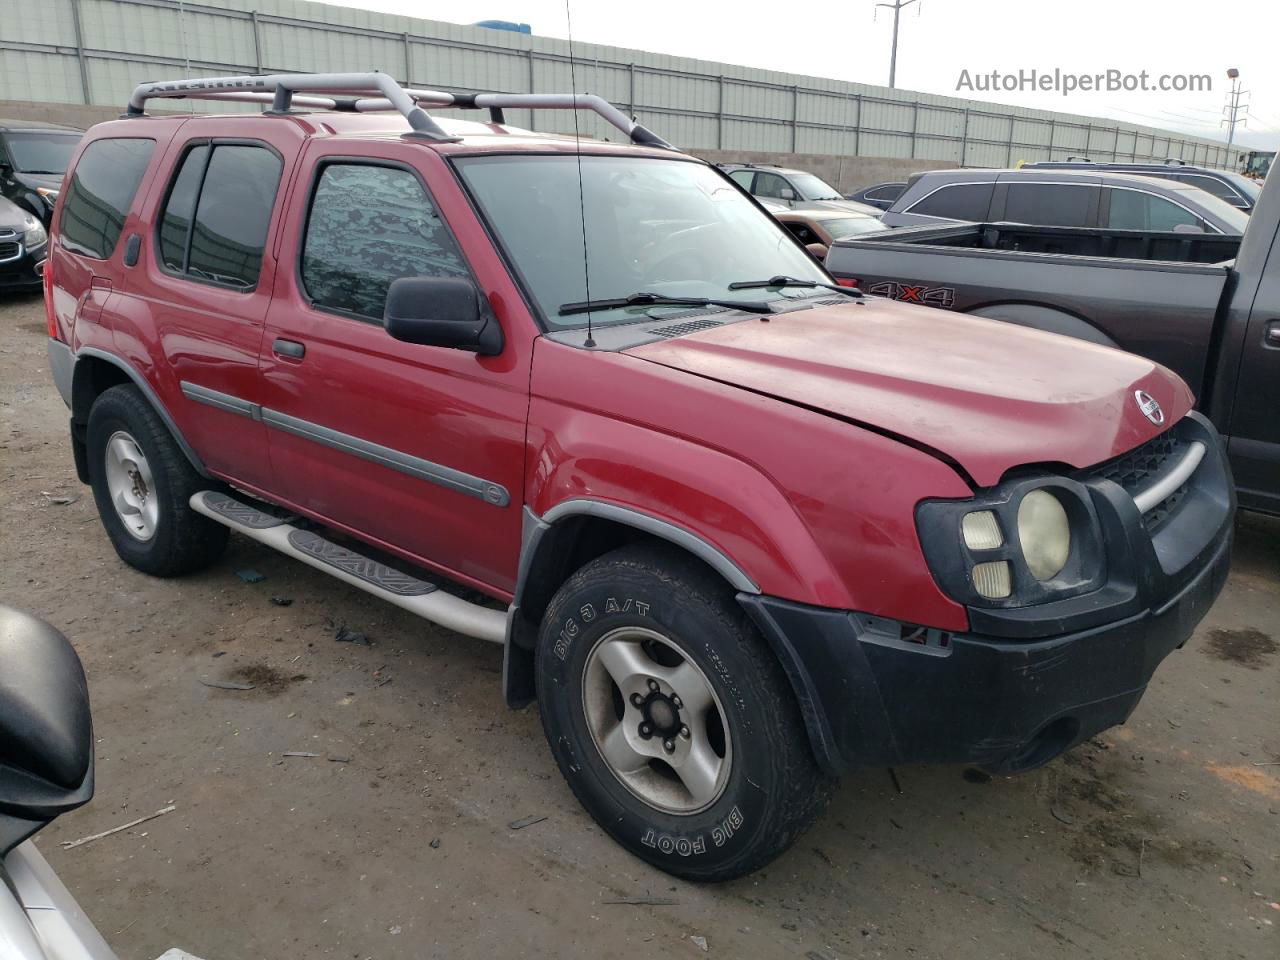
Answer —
814 188
1245 186
852 226
1233 218
669 227
41 152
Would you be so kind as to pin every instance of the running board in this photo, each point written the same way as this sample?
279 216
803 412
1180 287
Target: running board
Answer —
407 592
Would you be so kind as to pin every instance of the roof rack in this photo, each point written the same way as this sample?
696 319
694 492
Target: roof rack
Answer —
1074 159
1174 162
377 91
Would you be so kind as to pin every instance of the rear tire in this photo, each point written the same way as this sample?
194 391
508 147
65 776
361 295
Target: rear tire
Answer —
723 779
142 484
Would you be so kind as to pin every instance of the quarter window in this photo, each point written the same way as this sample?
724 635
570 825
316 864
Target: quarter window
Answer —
100 194
1136 210
743 178
961 201
368 226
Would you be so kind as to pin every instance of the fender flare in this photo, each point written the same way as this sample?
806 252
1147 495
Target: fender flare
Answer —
151 396
517 658
1049 319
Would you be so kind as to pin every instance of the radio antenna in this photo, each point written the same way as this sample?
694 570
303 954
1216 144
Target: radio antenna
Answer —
577 142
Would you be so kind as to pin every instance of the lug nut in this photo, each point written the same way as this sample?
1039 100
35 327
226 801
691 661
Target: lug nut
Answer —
653 685
677 703
646 730
684 732
668 746
636 700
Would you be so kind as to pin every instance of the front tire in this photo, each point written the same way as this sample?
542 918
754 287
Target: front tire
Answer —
142 484
671 719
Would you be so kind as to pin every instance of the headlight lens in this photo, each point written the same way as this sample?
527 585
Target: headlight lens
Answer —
35 234
1045 534
50 197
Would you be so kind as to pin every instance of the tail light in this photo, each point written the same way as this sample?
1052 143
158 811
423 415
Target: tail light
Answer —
47 270
846 281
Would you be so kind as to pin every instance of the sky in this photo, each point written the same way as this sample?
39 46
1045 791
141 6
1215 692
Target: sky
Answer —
940 39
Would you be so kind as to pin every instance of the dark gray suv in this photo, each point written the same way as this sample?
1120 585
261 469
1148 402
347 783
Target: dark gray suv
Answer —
1233 188
1062 198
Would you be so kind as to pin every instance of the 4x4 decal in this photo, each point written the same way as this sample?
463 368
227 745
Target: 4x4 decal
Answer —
941 297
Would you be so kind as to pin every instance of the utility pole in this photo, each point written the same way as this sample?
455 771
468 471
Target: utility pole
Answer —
897 7
1231 112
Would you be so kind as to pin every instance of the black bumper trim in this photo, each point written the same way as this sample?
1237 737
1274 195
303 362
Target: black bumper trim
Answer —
1001 704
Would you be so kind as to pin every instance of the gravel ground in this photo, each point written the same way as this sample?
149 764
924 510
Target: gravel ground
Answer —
1157 839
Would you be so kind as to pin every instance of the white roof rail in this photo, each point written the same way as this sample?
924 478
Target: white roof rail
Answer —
367 92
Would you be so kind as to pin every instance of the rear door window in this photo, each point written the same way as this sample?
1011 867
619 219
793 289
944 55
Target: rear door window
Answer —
957 201
369 225
772 185
100 194
214 225
1050 204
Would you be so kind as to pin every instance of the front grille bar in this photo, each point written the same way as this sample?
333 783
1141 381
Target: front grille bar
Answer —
1155 494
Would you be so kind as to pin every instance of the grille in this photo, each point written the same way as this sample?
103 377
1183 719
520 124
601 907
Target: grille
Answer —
1141 467
680 329
8 249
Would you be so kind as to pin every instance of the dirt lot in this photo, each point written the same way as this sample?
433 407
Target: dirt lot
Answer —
1158 839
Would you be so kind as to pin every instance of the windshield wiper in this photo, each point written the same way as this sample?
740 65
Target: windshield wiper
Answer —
643 299
793 282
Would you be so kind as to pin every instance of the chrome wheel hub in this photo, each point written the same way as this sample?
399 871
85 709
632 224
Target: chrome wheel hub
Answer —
656 721
131 487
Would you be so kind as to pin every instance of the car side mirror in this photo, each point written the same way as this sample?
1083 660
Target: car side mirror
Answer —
817 250
6 171
786 193
442 312
1188 228
46 734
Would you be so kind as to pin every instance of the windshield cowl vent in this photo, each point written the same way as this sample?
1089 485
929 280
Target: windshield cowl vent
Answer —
680 329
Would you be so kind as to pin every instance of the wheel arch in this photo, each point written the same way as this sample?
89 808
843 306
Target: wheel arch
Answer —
96 371
1040 317
569 535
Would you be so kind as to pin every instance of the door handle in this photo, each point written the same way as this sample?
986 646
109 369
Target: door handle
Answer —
1273 334
289 348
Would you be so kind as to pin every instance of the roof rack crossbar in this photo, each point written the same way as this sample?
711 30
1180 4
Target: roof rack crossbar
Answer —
373 92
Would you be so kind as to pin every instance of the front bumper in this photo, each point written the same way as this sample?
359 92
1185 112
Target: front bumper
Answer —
1008 696
20 264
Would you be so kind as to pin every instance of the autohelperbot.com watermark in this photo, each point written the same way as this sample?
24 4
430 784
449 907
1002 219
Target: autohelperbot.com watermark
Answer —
1066 82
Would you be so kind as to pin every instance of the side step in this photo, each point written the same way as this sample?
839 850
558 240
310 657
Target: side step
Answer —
417 596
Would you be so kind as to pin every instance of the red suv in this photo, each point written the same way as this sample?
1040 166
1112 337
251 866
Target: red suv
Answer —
742 529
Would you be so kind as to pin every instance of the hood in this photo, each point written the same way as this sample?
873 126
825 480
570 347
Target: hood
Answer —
12 216
50 181
843 206
983 394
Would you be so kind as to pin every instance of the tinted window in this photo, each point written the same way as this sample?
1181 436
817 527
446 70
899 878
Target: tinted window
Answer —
175 224
1214 186
890 192
100 194
42 152
802 232
743 178
961 201
1049 204
232 215
1135 210
772 185
368 226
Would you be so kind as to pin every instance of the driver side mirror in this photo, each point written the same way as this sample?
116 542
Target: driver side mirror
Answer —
1188 228
786 193
817 250
442 312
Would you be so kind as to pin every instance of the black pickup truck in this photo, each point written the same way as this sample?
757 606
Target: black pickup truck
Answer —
1206 306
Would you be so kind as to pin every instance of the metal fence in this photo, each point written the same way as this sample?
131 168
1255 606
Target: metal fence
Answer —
95 51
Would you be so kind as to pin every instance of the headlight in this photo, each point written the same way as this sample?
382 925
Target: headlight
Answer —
1027 541
50 197
35 235
1045 534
